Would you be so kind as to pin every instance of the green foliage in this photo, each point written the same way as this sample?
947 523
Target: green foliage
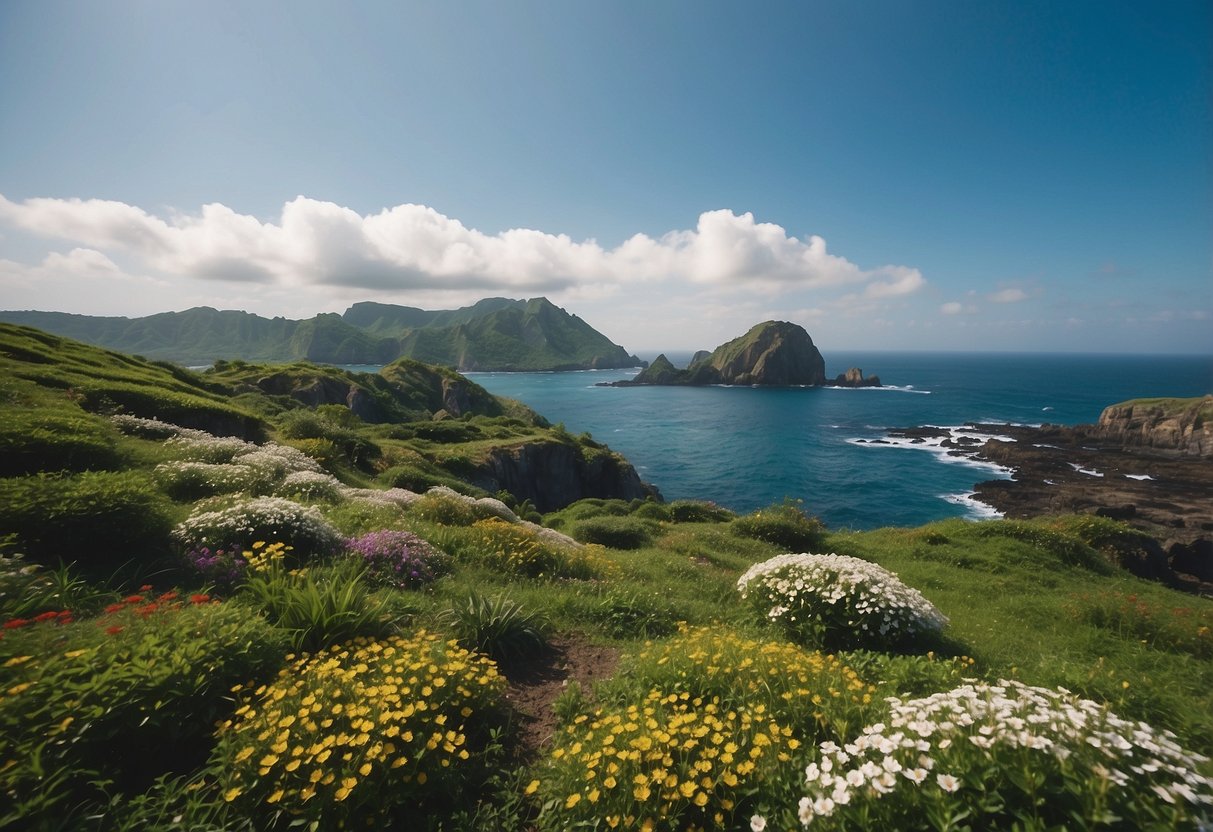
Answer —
118 701
323 424
44 439
615 532
586 509
319 606
1175 628
419 476
784 525
28 589
620 612
260 519
97 520
698 511
496 626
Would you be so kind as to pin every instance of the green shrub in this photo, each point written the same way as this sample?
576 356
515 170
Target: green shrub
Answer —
498 627
317 607
446 431
614 532
418 477
310 425
649 510
29 589
366 733
40 439
446 508
98 520
696 511
119 700
783 525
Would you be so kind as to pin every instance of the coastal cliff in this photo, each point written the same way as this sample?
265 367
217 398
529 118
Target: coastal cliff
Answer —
553 474
1183 426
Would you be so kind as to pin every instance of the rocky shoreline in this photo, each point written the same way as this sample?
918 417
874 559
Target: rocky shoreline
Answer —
1086 469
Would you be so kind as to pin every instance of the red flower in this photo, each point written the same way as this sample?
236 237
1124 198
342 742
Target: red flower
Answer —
147 610
200 598
113 608
15 623
168 596
145 588
133 599
46 616
113 631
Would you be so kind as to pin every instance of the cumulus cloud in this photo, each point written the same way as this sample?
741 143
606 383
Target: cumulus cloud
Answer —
415 247
1009 296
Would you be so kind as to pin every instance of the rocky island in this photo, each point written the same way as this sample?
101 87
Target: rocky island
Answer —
771 354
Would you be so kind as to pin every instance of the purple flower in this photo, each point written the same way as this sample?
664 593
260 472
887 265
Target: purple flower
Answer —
397 558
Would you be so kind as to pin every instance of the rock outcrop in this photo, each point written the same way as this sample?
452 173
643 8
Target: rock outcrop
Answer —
1182 426
771 354
554 474
854 377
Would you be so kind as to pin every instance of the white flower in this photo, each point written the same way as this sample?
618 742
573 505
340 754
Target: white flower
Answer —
758 823
805 811
947 782
915 775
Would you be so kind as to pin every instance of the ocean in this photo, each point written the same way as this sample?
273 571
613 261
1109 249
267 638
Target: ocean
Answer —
745 448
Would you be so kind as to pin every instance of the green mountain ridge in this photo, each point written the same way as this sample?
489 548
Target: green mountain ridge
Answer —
492 334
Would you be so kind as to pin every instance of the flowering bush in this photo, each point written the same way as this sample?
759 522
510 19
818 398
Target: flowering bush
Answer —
223 566
1005 756
122 697
399 559
207 448
186 480
513 548
675 762
362 731
817 694
310 485
838 601
260 518
153 428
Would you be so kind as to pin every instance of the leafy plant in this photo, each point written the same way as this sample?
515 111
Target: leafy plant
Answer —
614 532
497 626
121 699
97 520
784 525
317 607
699 511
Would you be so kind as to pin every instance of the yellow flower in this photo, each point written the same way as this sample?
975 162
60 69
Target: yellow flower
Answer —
572 800
275 797
232 793
243 754
531 787
701 799
365 769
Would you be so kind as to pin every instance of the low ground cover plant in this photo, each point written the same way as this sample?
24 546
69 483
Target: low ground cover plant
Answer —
838 601
497 626
516 549
1004 756
614 532
370 731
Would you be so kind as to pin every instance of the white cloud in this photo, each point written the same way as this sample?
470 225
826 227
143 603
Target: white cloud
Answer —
957 308
415 248
1009 296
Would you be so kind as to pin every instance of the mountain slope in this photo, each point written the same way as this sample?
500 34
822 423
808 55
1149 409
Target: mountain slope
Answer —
493 334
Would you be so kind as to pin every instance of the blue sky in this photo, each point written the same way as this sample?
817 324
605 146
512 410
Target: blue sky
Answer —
927 175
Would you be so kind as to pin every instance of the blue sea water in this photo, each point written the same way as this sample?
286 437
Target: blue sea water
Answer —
746 448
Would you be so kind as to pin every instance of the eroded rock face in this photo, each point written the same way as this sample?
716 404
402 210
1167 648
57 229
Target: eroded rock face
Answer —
1183 426
552 475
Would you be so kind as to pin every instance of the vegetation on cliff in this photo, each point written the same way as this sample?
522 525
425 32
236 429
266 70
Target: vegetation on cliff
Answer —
494 334
300 631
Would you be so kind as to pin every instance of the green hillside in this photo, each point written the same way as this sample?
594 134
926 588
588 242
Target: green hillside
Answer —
279 596
493 334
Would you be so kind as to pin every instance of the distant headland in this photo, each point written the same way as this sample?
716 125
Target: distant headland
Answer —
771 354
494 334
